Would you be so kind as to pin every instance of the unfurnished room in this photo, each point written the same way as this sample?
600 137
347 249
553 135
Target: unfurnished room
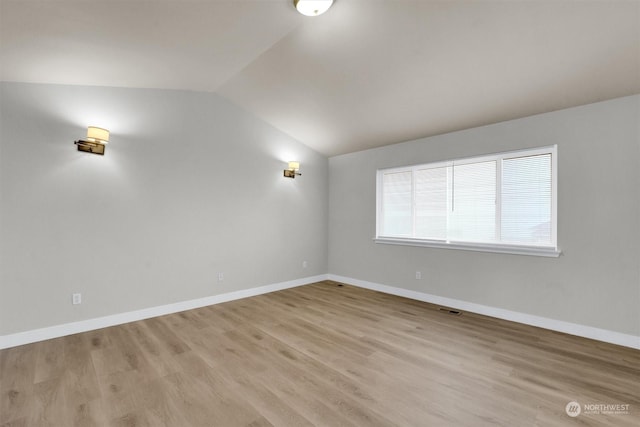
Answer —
243 213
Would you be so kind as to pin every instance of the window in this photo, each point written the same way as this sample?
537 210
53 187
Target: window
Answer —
499 203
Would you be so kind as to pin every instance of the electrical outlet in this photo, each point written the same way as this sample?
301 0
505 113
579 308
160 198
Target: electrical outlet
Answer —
418 275
76 299
220 277
305 264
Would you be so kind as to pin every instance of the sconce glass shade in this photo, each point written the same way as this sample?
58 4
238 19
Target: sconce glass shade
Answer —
294 166
96 134
312 7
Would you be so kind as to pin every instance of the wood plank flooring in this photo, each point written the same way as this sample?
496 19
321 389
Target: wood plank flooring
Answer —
317 355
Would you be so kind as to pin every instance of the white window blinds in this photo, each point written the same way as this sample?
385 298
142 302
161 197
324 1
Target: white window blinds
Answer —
431 201
501 199
526 200
473 202
397 196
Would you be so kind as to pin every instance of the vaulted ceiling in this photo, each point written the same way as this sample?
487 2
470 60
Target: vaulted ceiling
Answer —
365 74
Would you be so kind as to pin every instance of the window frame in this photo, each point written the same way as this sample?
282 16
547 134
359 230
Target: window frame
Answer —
551 250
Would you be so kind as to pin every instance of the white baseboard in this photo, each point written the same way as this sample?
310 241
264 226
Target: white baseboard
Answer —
604 335
56 331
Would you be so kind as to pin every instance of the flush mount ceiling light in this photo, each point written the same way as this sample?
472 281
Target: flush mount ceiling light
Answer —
312 7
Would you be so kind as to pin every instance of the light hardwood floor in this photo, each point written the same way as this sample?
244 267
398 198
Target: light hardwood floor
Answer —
321 354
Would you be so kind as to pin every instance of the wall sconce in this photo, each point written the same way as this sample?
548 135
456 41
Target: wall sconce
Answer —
95 141
293 169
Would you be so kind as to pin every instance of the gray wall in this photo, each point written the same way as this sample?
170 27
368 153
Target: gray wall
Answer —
190 186
595 282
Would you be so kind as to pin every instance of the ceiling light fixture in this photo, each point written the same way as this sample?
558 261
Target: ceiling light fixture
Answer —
312 7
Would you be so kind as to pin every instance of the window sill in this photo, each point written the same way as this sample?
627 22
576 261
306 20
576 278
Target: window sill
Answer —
479 247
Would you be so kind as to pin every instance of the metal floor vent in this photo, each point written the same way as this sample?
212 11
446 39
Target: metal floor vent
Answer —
450 311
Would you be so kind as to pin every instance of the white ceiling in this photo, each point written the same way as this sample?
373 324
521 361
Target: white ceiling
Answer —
365 74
